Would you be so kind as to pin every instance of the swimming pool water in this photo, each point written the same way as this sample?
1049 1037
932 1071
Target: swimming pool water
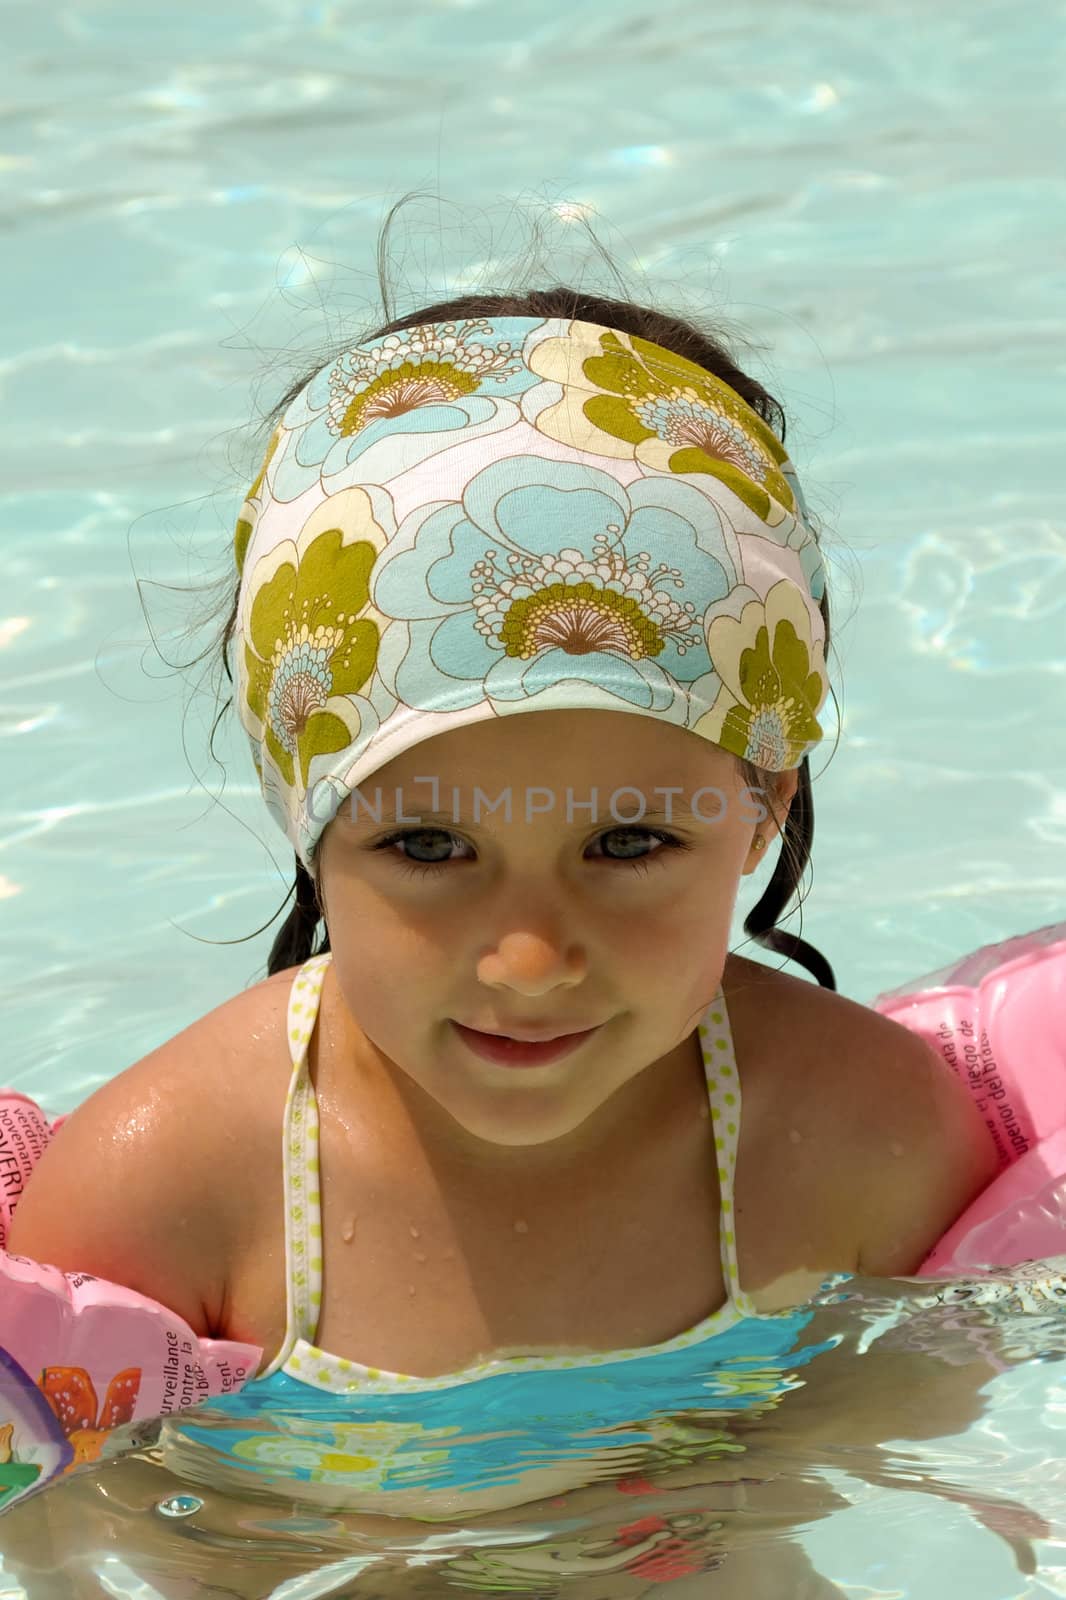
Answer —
872 195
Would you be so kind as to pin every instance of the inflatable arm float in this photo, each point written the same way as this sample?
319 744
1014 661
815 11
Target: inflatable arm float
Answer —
83 1361
998 1020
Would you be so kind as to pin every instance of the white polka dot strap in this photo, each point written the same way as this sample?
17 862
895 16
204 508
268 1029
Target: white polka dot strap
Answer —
300 1358
723 1091
303 1218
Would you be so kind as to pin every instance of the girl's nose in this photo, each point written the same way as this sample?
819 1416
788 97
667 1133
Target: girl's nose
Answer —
532 963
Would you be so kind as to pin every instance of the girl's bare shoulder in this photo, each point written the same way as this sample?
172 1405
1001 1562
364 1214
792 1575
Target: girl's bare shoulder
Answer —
904 1145
179 1135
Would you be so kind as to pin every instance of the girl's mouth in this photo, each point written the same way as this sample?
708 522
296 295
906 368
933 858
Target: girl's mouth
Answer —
520 1052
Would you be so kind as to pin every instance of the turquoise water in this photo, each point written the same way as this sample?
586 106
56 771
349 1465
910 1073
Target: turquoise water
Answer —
873 197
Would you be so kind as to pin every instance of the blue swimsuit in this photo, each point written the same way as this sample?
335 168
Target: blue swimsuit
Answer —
359 1432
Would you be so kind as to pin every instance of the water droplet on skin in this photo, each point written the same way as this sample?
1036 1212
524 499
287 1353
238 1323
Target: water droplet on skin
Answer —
411 1289
419 1256
794 1136
415 1233
896 1148
348 1231
521 1227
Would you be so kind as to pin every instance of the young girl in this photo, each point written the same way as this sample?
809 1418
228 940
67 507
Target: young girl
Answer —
506 1106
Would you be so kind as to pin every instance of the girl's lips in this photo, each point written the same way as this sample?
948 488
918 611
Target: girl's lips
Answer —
518 1052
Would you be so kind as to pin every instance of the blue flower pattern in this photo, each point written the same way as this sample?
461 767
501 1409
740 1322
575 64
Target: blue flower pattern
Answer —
424 384
497 609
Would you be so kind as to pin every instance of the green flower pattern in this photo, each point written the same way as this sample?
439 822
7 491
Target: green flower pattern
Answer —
306 642
773 675
673 416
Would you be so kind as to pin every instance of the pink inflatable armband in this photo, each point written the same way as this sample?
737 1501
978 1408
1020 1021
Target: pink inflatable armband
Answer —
24 1132
80 1357
998 1019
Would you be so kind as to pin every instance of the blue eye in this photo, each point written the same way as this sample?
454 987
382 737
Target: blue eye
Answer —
424 869
404 837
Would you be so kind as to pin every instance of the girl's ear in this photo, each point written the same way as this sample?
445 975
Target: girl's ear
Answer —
786 790
780 791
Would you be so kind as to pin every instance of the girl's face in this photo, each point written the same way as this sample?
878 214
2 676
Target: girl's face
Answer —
558 916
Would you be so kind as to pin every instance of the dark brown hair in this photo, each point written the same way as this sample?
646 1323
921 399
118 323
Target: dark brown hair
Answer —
296 939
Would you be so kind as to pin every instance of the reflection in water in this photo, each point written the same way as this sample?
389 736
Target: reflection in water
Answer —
593 1545
639 1508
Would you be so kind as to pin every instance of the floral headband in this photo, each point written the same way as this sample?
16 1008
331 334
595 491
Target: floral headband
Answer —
468 520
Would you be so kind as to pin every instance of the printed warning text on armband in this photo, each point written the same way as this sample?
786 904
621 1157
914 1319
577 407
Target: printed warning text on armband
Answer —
973 1061
22 1139
230 1377
10 1173
179 1375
